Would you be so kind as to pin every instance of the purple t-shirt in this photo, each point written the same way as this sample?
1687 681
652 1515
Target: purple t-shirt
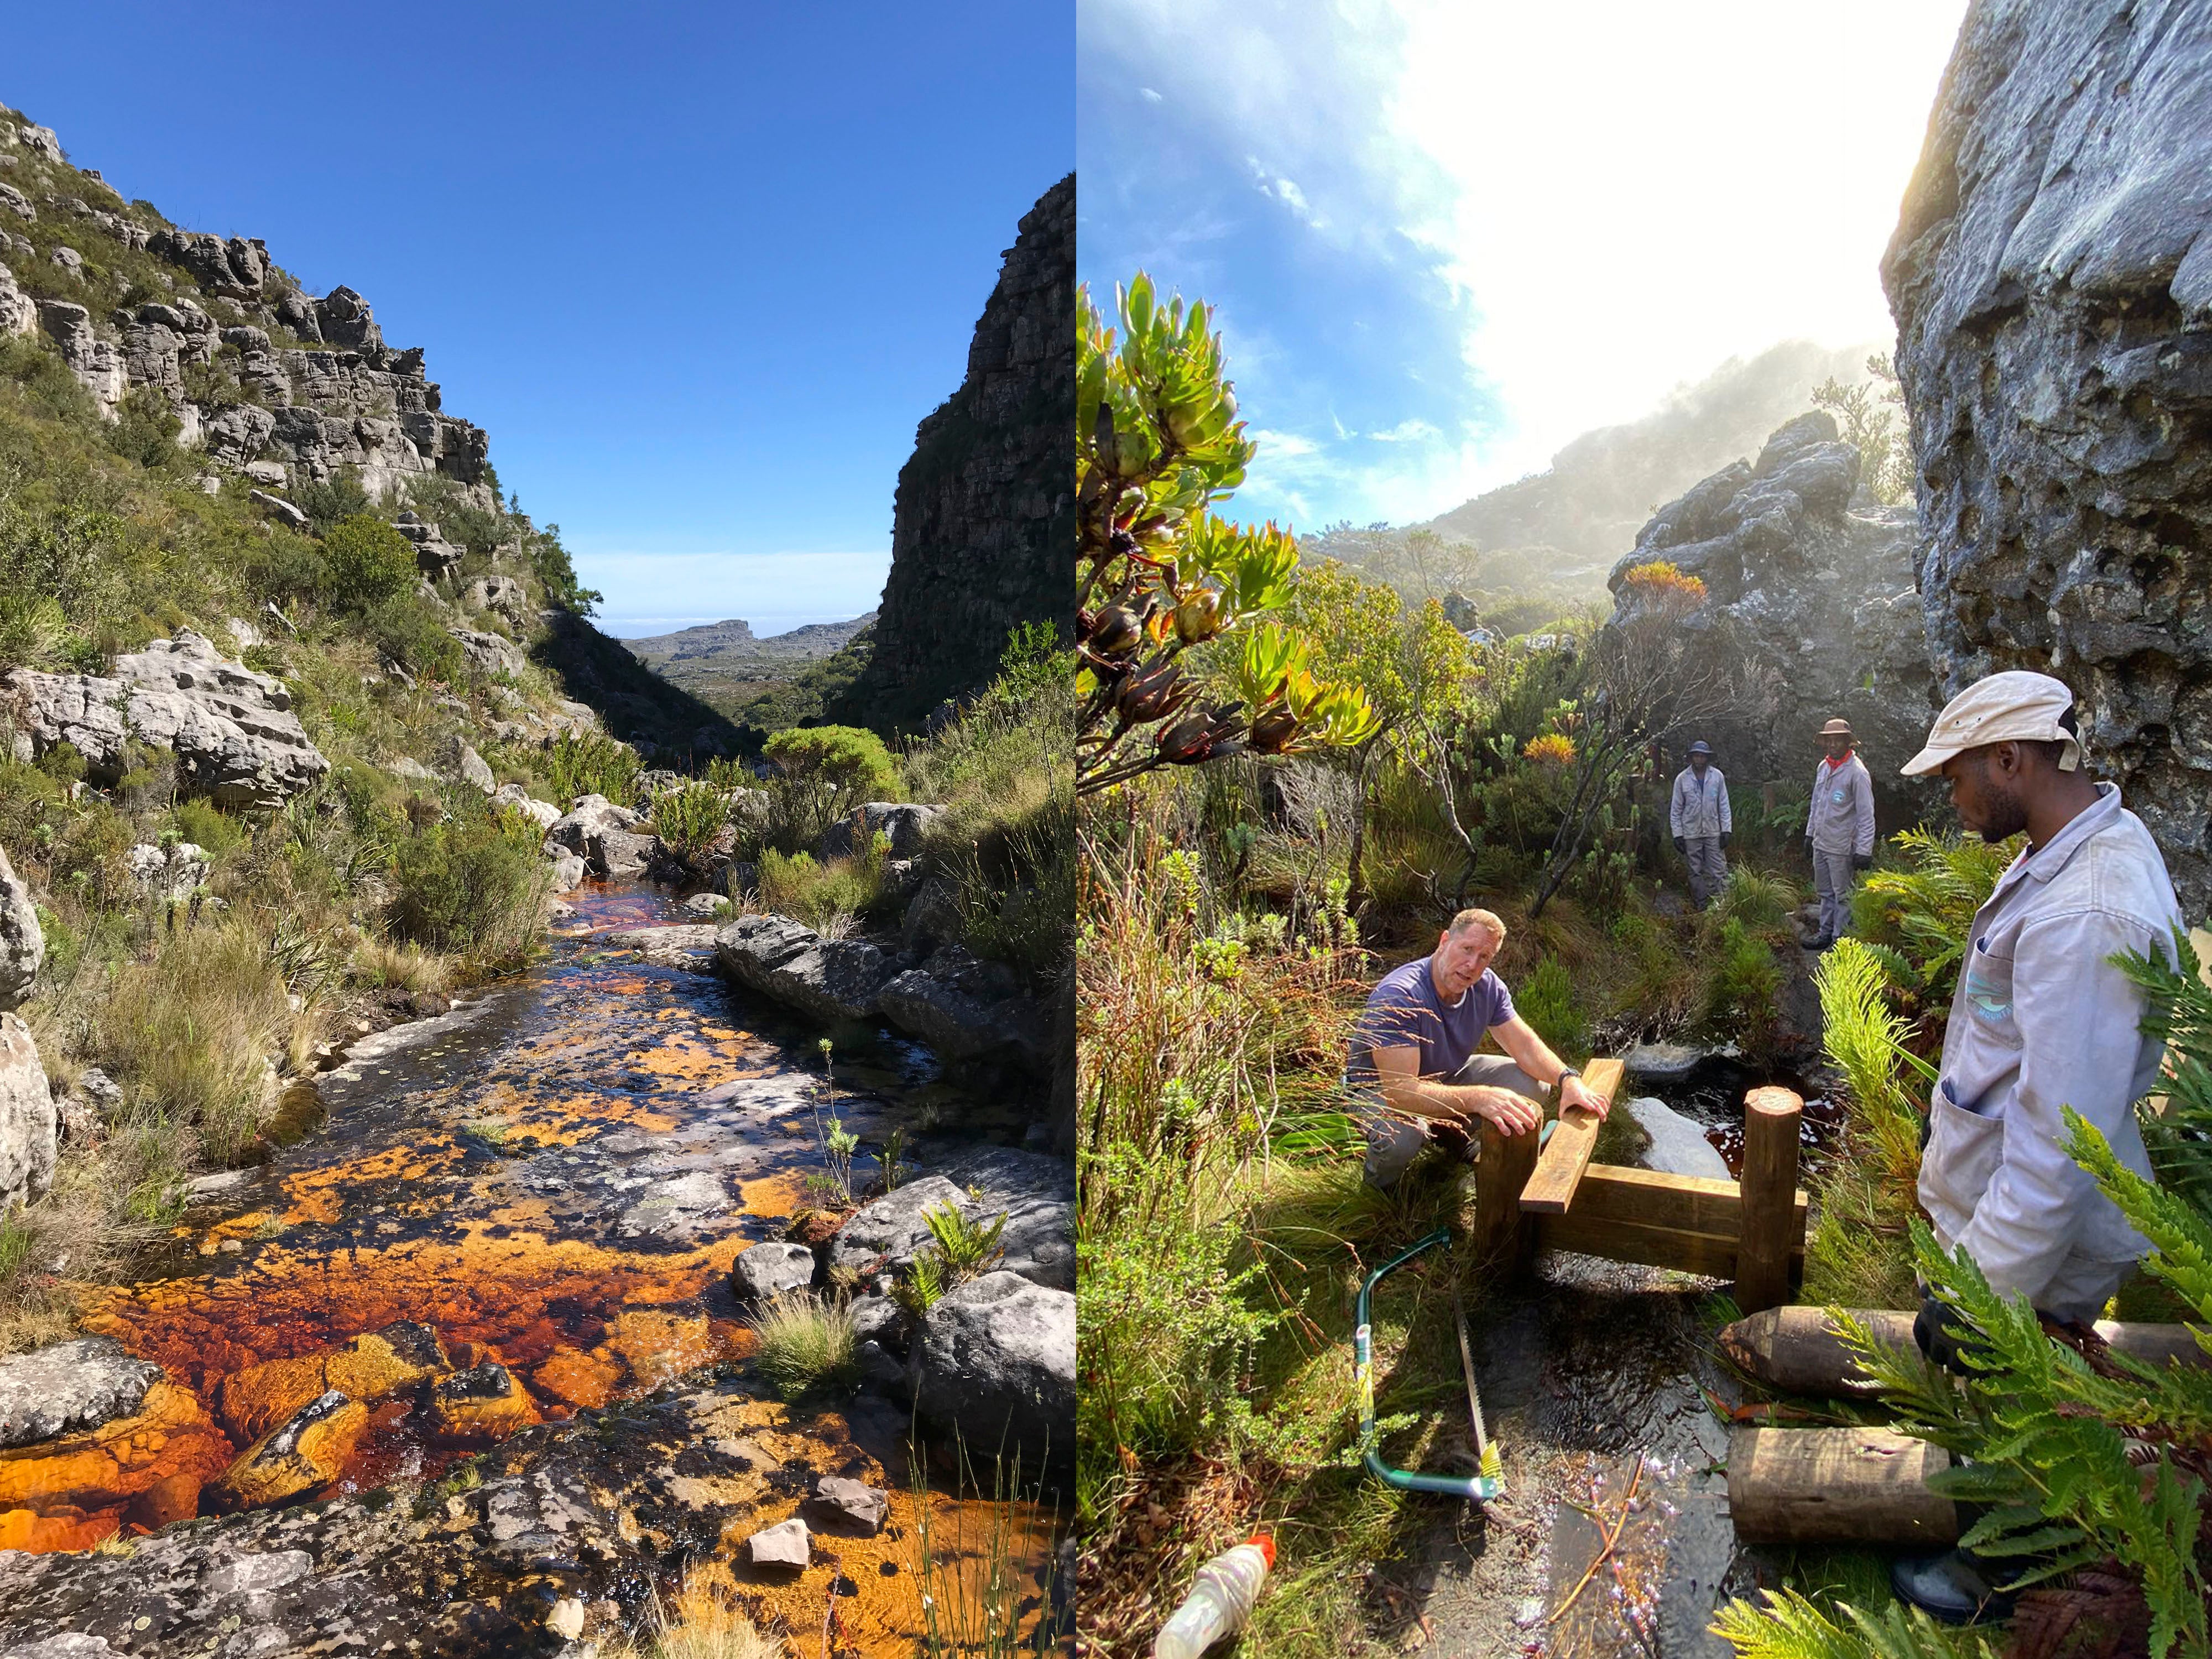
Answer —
1403 1012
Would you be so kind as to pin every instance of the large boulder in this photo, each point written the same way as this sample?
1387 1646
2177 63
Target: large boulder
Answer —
1036 1195
233 731
589 815
29 1124
904 821
22 944
2052 278
71 1386
994 1363
516 797
769 1270
1815 598
882 1236
490 654
833 981
964 1006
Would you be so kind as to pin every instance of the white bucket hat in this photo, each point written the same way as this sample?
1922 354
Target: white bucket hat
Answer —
2016 705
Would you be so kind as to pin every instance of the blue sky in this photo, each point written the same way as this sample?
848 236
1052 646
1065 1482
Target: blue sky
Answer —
697 269
1444 237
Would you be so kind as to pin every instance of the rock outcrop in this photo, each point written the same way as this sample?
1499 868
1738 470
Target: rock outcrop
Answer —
833 981
2052 278
70 1386
983 528
996 1364
233 731
1816 595
145 1463
29 1124
22 943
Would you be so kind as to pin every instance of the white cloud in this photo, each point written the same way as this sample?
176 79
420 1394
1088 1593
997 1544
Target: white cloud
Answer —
1618 196
1149 95
1284 446
658 592
1407 432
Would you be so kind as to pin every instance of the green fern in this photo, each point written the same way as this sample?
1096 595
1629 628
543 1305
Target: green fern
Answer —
1791 1627
966 1247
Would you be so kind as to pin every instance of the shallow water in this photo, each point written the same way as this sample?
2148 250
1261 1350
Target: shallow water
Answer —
556 1176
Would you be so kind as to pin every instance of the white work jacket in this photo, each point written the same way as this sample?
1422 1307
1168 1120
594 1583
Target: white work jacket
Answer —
1698 809
1841 819
2042 1019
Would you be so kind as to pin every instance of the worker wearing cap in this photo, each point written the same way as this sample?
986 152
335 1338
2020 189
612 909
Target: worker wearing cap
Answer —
1839 829
2041 1020
1697 819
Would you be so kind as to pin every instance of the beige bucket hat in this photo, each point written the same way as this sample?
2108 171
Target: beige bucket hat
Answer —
2018 706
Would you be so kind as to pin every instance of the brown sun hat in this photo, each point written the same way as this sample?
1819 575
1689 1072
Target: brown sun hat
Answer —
1837 728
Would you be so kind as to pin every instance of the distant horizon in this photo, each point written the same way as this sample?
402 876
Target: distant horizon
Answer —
645 628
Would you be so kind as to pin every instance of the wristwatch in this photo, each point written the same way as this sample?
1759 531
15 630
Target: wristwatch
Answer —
1565 1072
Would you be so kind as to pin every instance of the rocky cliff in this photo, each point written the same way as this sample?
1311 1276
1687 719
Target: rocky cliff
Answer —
1821 596
2051 279
983 528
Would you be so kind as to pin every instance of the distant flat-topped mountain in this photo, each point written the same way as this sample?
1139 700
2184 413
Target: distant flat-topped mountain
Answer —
725 644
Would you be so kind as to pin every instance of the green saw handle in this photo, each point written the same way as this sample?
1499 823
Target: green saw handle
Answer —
1475 1488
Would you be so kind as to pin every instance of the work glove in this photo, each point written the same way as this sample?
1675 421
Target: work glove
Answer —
1862 860
1681 845
1928 1331
1727 836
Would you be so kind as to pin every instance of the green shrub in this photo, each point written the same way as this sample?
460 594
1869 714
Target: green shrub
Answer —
689 816
825 772
32 630
807 1342
332 501
146 428
1547 1001
407 630
368 562
589 764
827 897
1740 992
474 885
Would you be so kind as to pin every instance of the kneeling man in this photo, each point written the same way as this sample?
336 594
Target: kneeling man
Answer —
1413 1067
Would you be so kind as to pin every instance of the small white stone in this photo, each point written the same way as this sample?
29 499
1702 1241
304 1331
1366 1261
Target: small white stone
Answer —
566 1619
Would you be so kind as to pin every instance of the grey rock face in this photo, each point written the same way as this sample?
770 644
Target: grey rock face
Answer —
464 763
1815 595
434 554
22 943
995 1363
677 1209
591 814
568 872
278 508
619 852
490 653
12 200
503 594
41 142
984 520
542 813
962 1006
2052 278
831 981
1036 1195
784 1545
74 1385
238 434
29 1125
771 1269
904 821
97 364
19 312
233 731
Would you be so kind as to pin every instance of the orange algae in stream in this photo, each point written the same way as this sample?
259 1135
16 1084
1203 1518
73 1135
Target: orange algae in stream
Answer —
86 1479
501 1291
372 1366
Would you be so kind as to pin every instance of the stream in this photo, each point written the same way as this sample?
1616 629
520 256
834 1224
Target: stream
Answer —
556 1176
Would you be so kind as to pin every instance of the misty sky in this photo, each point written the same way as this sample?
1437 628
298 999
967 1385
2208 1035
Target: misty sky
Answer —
1445 236
697 268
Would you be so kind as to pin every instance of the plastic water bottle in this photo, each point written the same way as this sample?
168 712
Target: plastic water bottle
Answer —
1219 1602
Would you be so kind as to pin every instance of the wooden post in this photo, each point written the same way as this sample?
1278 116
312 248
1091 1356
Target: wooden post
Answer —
1795 1349
1770 1117
1836 1487
1504 1240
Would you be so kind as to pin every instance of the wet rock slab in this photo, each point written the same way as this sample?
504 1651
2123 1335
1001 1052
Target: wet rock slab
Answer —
79 1384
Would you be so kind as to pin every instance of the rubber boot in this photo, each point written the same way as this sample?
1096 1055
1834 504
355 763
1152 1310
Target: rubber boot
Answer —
1954 1588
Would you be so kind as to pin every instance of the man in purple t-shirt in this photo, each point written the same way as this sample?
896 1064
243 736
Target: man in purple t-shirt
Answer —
1413 1065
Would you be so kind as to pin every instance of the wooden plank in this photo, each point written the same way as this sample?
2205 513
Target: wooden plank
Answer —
1693 1204
1863 1486
1501 1238
1711 1254
1771 1120
1567 1154
1797 1350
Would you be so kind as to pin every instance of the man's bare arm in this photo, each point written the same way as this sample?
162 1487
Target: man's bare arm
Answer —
1406 1091
1534 1056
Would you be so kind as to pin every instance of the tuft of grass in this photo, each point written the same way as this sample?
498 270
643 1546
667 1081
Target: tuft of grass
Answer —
689 816
987 1590
403 964
827 897
703 1626
475 883
806 1343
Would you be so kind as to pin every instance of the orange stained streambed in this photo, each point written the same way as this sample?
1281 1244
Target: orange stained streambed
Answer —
554 1177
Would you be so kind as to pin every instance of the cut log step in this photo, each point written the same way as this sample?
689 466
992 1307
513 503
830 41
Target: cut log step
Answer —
1795 1349
1837 1486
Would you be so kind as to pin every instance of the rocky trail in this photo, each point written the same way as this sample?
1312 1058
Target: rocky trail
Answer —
464 1368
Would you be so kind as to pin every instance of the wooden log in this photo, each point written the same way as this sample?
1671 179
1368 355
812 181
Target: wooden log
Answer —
1504 1240
1795 1349
1687 1223
1566 1153
1771 1119
1836 1487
